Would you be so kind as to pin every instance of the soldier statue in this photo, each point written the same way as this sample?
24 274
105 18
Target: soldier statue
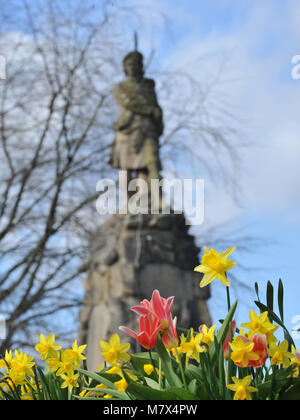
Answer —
140 123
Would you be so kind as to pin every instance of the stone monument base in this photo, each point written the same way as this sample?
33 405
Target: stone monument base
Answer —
130 257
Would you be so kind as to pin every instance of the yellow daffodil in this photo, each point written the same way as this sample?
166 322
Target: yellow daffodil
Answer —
75 355
21 364
20 367
260 324
65 365
114 351
242 351
70 381
7 358
215 265
242 388
295 360
46 347
148 368
121 385
54 362
192 348
208 334
117 370
27 391
280 354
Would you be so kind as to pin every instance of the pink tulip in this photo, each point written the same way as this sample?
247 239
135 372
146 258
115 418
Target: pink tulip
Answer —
157 312
261 349
149 326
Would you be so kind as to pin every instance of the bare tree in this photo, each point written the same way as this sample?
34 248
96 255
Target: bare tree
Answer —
56 130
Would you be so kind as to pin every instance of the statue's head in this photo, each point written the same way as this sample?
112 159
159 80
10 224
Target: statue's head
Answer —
133 65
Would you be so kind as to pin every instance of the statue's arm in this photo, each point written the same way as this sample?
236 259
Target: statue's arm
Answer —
139 102
136 104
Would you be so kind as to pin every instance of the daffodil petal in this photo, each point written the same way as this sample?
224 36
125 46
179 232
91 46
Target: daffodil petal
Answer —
228 251
207 278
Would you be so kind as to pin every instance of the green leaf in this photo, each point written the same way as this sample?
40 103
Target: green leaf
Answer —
221 372
98 378
256 290
45 384
119 394
269 388
276 319
138 360
231 365
292 394
186 331
192 386
193 372
202 393
142 392
221 334
182 394
56 392
145 356
181 330
78 397
270 296
280 299
151 383
167 367
112 377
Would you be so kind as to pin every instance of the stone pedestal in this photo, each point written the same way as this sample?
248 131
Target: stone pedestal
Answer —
130 257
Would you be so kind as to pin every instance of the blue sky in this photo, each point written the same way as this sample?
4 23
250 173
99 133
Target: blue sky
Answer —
260 39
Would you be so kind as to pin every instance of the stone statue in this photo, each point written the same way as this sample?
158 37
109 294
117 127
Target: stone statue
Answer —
130 256
140 123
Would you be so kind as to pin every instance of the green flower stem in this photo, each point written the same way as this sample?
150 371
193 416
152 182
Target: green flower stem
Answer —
228 298
159 376
179 361
228 294
152 363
